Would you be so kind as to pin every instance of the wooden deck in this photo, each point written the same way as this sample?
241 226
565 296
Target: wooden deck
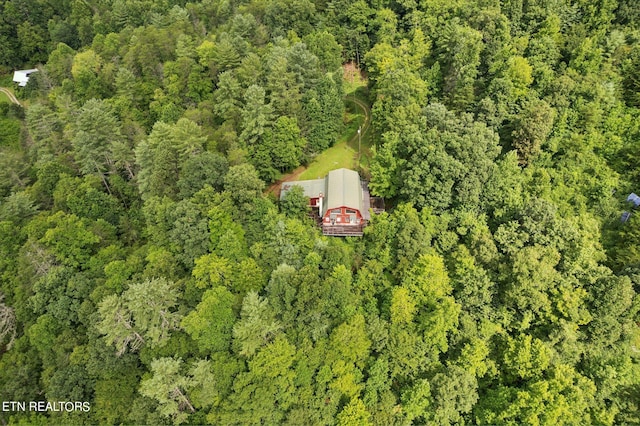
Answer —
366 200
343 230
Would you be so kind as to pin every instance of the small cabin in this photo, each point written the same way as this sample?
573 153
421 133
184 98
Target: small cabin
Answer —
340 201
22 76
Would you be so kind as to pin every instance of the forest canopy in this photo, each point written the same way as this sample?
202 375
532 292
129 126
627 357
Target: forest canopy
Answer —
147 269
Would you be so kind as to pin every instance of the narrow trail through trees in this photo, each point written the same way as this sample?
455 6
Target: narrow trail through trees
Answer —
367 118
274 188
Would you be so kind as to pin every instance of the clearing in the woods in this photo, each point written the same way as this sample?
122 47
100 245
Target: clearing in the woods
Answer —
345 152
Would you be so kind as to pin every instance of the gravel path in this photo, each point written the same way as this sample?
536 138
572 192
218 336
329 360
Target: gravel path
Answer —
11 96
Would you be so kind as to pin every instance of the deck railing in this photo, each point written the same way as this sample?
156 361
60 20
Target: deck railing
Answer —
343 230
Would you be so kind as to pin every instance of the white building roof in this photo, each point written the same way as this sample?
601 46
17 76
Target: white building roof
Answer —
22 76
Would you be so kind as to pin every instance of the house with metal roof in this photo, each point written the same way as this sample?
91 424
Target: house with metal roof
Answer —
22 76
633 198
340 201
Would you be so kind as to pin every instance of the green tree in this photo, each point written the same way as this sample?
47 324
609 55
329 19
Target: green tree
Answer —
439 162
265 392
225 55
430 288
86 199
69 239
531 129
88 71
32 39
354 413
399 89
525 358
243 184
17 208
295 203
288 15
282 85
45 125
7 324
189 234
228 98
151 303
211 323
169 387
96 130
322 108
416 399
143 314
281 148
325 47
60 62
564 398
256 116
454 393
257 325
117 325
460 55
163 153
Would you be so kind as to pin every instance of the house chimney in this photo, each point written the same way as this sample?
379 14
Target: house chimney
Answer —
320 198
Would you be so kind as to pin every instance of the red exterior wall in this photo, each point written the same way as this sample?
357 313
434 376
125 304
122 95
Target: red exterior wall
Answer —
342 217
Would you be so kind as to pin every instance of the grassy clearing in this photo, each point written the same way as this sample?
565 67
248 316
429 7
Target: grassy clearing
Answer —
345 152
4 98
336 157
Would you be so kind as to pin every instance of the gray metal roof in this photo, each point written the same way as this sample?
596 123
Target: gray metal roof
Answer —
312 188
343 189
340 188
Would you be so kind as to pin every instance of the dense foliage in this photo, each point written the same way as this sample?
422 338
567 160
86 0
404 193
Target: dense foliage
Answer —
143 270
